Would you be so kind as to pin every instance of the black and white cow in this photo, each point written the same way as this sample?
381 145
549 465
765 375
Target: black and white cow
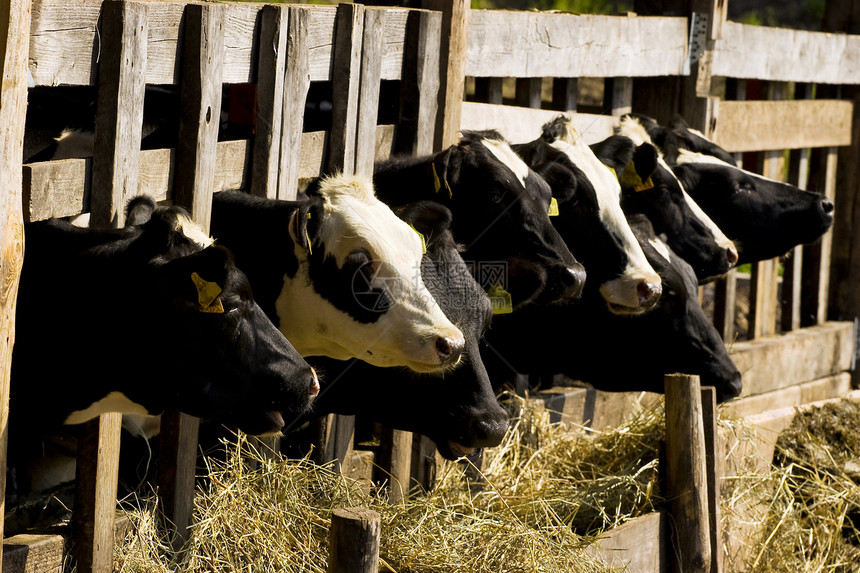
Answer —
500 213
691 233
339 273
584 341
458 410
143 319
765 218
590 219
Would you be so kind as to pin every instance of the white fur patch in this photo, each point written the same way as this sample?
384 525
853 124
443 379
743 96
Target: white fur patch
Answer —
503 152
661 248
194 231
74 143
113 402
623 289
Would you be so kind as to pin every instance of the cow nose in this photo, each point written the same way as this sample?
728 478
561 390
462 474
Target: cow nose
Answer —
732 256
574 280
648 293
449 348
314 387
488 430
826 205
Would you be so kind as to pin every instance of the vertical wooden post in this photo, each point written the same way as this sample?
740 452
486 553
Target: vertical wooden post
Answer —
528 92
618 97
455 31
95 494
369 87
714 472
354 541
349 31
395 460
297 81
565 93
200 100
14 48
687 482
271 70
119 122
489 90
419 92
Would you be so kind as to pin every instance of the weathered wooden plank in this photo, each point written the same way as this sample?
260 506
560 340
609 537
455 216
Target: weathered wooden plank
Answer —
528 92
714 454
565 94
802 393
638 545
369 88
119 123
271 66
489 90
534 44
395 461
774 362
346 77
14 23
686 479
764 125
297 81
177 461
200 102
620 92
419 90
780 54
452 62
519 125
394 38
95 494
65 45
27 553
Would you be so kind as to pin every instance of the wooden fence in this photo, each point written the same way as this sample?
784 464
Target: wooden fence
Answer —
417 62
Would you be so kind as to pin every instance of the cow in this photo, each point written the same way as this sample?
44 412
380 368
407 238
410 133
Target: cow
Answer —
692 234
765 218
590 219
458 410
339 273
613 352
500 213
144 319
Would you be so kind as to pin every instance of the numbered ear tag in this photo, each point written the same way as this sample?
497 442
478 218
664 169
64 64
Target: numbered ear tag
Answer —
553 207
631 177
501 299
207 295
421 235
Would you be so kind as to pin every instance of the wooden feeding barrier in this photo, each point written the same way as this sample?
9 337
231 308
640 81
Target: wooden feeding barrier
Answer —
729 80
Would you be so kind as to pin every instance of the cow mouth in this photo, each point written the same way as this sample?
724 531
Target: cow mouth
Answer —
276 420
616 308
458 450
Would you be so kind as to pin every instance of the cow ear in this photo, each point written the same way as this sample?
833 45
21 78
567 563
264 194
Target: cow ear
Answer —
199 278
139 210
304 225
446 171
638 171
427 217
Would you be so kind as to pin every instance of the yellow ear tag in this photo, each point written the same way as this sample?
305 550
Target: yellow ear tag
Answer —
307 236
207 294
614 174
501 300
631 178
421 235
437 184
553 207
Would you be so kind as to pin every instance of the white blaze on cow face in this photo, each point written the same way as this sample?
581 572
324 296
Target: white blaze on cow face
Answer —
624 294
661 248
503 152
113 402
409 332
632 128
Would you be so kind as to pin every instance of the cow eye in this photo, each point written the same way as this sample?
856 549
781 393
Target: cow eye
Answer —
496 197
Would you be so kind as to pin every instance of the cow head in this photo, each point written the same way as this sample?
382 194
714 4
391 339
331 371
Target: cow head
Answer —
591 221
687 229
765 218
171 318
357 290
500 209
457 410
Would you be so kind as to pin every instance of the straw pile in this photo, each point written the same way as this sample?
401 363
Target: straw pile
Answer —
538 489
805 511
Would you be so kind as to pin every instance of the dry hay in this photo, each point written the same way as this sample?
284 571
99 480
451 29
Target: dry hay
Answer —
806 509
537 489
